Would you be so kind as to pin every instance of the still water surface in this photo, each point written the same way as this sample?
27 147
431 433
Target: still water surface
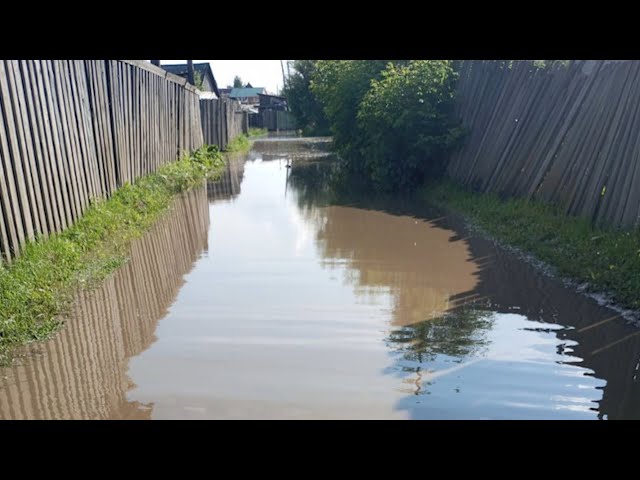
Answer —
259 298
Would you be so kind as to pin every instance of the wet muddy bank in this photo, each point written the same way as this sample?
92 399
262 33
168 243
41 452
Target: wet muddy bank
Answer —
601 263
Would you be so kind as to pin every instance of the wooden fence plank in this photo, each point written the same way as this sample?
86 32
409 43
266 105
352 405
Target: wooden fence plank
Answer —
38 140
65 134
14 168
10 215
58 160
48 153
27 154
102 91
97 123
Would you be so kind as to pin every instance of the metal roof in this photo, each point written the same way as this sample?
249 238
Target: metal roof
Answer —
246 92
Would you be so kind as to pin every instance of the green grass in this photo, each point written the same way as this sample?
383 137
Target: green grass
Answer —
39 285
239 144
606 260
258 132
242 143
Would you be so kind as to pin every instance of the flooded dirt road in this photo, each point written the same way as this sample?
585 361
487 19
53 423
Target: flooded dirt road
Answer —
261 298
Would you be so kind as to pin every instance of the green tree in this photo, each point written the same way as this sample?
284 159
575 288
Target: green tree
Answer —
392 121
407 117
237 82
459 333
339 86
303 103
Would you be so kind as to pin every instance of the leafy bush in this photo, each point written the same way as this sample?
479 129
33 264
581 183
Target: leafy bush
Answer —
392 121
340 86
407 118
240 143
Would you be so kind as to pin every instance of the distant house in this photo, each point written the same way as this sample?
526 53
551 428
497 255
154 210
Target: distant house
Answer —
224 92
247 96
273 114
201 71
272 102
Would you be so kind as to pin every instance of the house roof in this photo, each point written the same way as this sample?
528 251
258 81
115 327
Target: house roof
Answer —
246 92
203 68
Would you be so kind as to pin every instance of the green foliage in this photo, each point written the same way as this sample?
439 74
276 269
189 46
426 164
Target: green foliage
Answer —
237 82
459 333
549 63
38 286
258 132
198 79
407 117
239 144
340 86
242 143
392 121
607 260
301 100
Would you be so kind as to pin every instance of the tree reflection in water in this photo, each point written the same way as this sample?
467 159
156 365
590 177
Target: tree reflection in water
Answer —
314 182
436 320
458 334
422 351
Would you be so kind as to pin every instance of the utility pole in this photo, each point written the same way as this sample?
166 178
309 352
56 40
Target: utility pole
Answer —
155 62
190 75
284 80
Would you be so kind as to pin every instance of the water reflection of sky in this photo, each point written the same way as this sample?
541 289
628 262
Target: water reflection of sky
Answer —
503 368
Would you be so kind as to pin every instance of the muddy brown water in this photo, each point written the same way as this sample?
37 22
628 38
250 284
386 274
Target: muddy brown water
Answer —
258 298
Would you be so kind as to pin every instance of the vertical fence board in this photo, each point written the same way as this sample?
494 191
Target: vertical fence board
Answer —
38 140
51 120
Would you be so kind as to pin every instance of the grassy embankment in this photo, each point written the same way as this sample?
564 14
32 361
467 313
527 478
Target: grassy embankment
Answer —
38 286
257 132
242 143
606 260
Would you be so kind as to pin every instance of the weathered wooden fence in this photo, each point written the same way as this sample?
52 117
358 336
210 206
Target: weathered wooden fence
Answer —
74 131
222 120
567 135
273 120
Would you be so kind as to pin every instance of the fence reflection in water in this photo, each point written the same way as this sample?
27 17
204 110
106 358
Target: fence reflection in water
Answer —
82 372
